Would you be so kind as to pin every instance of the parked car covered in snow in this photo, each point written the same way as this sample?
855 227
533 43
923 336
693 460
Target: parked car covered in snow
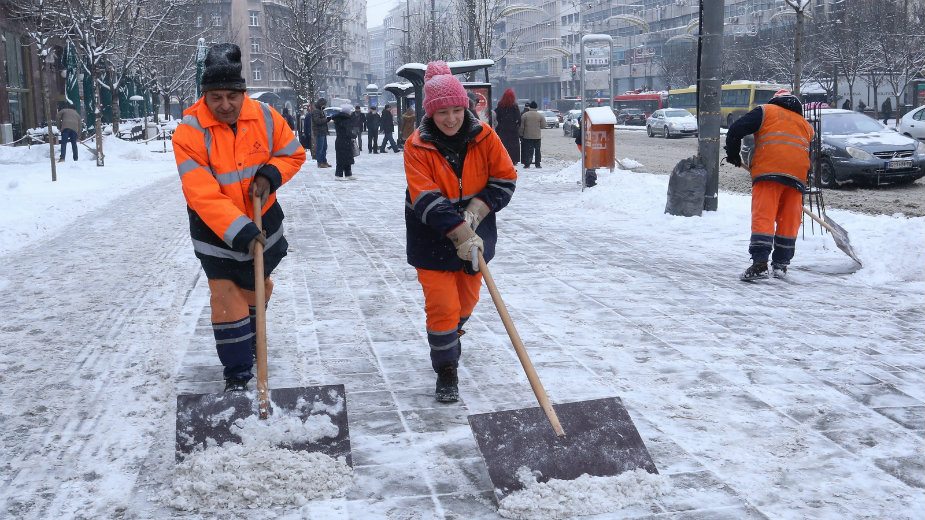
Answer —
671 122
913 123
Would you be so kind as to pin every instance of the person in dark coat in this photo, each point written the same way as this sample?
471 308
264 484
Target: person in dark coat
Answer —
372 130
886 109
305 132
320 131
507 116
846 105
387 123
343 142
359 121
288 117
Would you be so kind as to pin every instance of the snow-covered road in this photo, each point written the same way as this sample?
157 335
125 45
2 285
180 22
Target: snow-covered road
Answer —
797 399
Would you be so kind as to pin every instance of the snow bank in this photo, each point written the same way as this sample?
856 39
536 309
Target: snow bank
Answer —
889 246
585 495
34 207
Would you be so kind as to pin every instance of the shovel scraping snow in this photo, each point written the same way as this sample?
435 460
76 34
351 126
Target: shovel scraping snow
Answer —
560 442
839 234
205 420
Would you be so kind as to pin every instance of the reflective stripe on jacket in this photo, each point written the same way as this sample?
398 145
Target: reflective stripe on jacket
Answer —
217 165
781 145
436 197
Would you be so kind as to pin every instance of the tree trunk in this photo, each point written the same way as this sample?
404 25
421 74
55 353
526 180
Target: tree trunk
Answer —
98 118
51 137
116 107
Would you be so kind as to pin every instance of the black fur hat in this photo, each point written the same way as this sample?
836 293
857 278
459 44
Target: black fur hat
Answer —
223 69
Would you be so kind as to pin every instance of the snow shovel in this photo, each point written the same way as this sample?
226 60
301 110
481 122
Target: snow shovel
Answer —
598 439
204 420
838 234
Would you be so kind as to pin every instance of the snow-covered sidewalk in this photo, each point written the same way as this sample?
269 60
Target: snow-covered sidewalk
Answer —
786 399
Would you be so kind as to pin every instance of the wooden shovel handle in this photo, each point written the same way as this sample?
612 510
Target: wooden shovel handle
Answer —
819 220
535 383
260 302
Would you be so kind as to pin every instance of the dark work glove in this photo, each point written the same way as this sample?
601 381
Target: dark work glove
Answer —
735 161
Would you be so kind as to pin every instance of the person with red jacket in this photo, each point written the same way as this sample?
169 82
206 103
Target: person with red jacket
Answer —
228 149
459 175
779 168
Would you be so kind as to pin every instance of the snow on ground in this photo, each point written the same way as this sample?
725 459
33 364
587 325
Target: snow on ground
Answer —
80 458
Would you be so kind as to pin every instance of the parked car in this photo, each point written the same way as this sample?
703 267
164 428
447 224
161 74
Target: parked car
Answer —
570 122
551 119
631 116
857 149
913 123
671 122
557 113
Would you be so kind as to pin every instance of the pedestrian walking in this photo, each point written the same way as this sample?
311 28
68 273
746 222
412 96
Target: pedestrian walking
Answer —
779 169
507 124
344 131
388 128
886 110
359 122
846 105
69 127
861 106
289 119
229 149
531 126
372 130
305 131
408 123
459 176
320 131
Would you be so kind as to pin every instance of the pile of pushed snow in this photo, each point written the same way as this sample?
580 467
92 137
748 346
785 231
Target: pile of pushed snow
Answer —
585 495
259 473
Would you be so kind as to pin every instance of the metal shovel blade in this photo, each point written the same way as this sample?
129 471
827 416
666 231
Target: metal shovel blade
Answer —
209 418
601 440
840 235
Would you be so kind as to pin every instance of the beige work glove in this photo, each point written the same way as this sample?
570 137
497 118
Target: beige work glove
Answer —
475 211
465 239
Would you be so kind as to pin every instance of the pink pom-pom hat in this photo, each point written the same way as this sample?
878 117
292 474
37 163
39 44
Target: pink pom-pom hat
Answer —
442 89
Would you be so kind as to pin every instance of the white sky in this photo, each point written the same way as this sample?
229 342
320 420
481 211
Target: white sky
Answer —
376 11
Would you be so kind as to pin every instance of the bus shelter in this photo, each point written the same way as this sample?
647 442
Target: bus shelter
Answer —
414 72
403 92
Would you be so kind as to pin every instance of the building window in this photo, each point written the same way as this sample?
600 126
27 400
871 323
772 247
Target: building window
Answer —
255 18
216 20
258 75
255 45
199 21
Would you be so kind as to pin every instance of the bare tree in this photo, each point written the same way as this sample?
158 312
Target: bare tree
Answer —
41 21
901 58
306 37
678 62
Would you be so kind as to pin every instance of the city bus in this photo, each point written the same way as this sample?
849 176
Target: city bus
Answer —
648 102
737 99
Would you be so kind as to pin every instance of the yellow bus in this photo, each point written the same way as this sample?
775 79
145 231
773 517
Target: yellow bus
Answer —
738 98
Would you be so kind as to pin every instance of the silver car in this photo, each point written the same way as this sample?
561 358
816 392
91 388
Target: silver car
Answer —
551 120
671 122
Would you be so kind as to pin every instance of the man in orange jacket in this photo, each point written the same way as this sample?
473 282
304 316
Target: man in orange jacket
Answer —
228 149
459 175
779 168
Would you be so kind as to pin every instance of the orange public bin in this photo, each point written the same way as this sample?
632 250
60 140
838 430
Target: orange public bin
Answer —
599 148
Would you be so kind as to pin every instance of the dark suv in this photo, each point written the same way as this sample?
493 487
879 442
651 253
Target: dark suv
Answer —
631 116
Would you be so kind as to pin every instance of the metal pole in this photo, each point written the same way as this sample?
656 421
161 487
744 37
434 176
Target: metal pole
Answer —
581 82
709 86
433 31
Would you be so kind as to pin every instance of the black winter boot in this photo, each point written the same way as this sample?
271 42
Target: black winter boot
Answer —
447 389
778 270
235 385
757 271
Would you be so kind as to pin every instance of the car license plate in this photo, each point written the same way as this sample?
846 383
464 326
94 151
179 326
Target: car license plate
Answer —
898 164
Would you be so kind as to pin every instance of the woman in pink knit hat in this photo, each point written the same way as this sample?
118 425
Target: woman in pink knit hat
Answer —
459 175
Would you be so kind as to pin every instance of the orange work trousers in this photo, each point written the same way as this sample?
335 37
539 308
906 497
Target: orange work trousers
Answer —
449 298
234 326
777 212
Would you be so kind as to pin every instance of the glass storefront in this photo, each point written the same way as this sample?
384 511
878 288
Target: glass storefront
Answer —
16 86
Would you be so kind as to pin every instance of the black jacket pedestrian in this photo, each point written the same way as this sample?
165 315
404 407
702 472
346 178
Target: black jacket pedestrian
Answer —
305 133
387 122
359 121
372 122
319 122
507 129
343 143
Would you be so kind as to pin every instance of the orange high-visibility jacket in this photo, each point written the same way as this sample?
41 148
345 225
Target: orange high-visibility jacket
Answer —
216 166
438 192
781 145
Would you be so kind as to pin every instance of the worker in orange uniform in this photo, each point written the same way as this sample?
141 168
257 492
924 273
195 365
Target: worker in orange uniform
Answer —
459 175
228 149
779 168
